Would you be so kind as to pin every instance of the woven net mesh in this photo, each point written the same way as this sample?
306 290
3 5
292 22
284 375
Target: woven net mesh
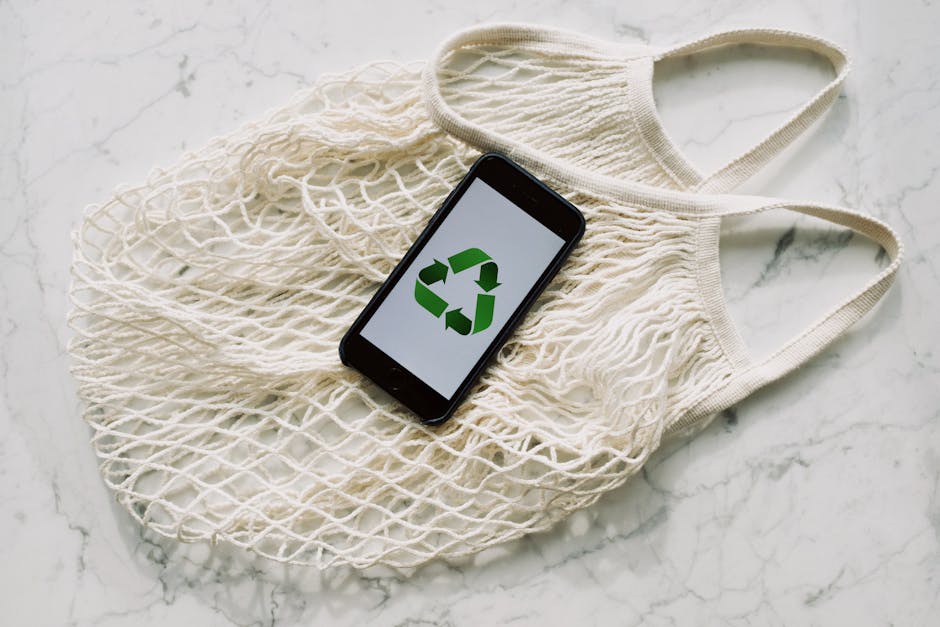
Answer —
209 302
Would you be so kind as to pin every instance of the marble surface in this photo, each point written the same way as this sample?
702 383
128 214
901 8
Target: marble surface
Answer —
815 502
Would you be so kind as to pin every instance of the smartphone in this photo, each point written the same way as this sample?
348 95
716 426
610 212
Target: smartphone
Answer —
456 295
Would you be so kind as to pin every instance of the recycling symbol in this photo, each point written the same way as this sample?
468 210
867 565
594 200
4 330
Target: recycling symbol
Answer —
455 319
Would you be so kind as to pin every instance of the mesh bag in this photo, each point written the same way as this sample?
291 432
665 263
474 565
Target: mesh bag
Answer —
208 304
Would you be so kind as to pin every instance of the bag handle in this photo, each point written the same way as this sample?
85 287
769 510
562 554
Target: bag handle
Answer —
747 164
819 335
549 40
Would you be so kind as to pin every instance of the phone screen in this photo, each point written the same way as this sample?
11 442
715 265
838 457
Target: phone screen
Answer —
462 287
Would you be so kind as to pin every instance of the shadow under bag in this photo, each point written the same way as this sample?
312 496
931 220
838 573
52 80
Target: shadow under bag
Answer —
208 304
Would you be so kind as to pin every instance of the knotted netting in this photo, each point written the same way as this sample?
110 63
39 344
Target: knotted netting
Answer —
209 302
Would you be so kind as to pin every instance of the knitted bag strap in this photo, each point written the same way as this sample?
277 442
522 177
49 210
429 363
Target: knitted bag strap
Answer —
747 164
553 40
800 349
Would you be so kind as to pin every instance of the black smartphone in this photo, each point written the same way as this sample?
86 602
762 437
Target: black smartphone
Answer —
457 294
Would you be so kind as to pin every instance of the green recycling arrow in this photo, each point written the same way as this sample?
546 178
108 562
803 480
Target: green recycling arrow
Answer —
485 304
487 280
435 272
429 300
483 317
457 321
467 259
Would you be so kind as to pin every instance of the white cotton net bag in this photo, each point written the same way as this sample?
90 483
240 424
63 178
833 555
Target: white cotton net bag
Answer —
209 302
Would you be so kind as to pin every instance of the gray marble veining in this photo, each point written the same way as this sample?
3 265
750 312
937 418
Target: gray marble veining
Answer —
816 501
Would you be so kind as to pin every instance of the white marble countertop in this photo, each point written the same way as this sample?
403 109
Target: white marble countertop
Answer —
816 501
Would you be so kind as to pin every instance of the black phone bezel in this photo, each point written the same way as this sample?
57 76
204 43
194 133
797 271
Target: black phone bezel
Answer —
529 194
